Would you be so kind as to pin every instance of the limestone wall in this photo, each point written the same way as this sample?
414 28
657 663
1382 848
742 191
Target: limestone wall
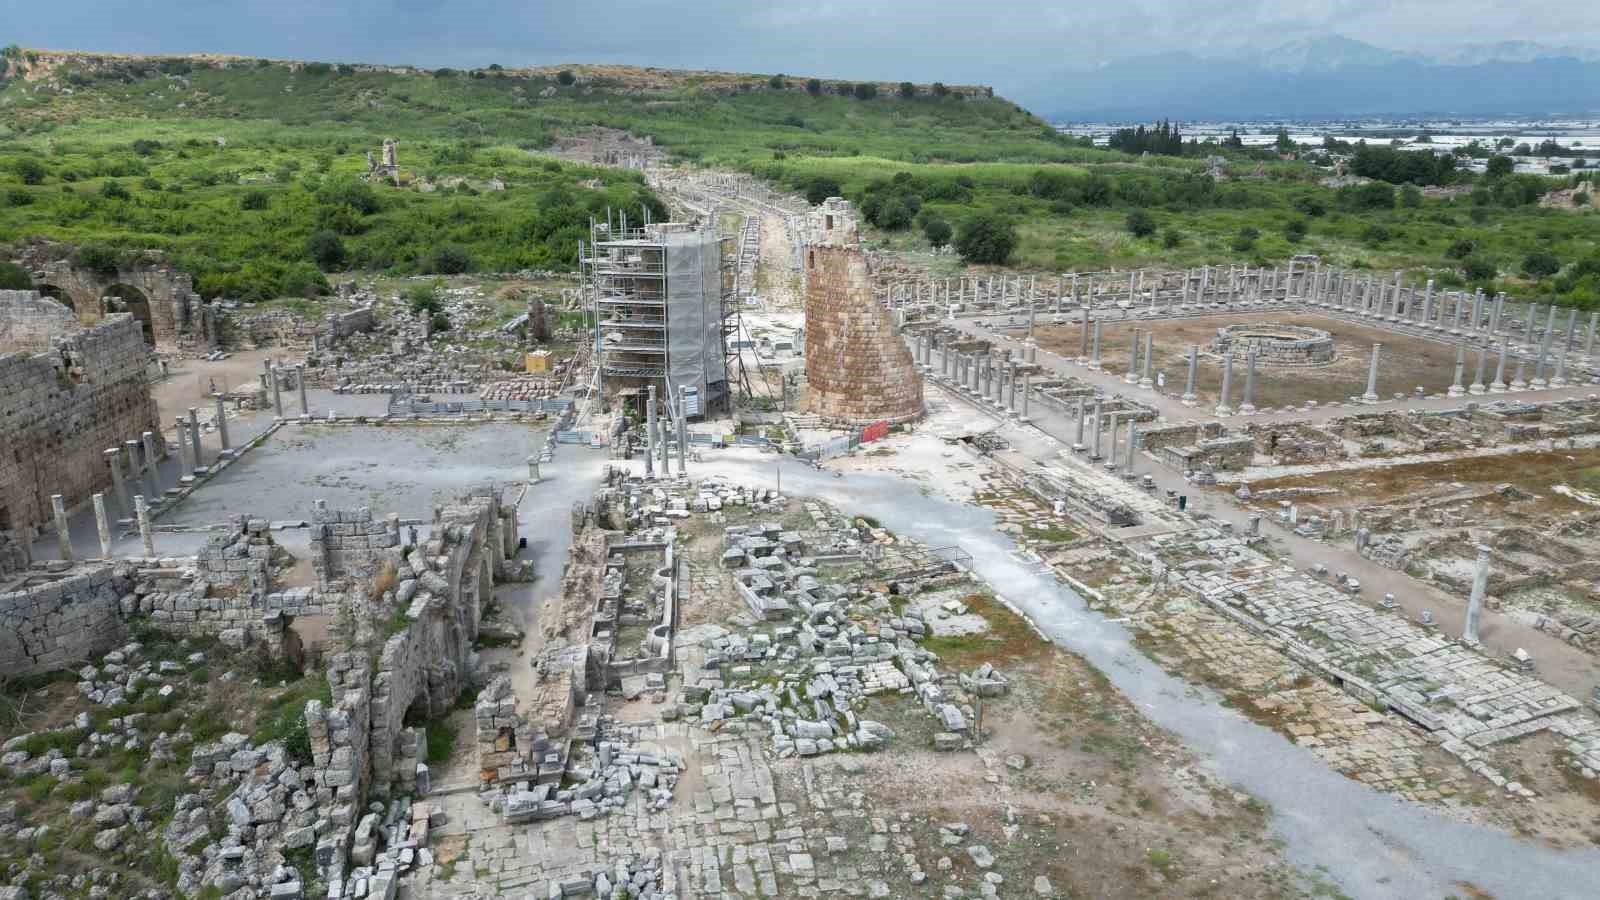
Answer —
340 325
858 368
350 543
54 621
62 407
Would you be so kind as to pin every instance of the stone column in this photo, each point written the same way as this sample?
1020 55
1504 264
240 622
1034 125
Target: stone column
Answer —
63 534
1477 386
1572 327
1011 385
1518 383
1248 407
300 376
1111 452
1083 339
142 512
185 464
103 525
1083 411
650 431
194 438
1188 398
1371 396
1133 438
1456 389
113 457
1550 325
1538 365
1588 340
1498 386
1455 327
1133 360
1098 421
1024 417
1480 583
1145 381
152 475
1533 312
533 469
683 430
1094 361
277 394
1477 312
1560 379
222 424
1223 409
1494 313
1427 305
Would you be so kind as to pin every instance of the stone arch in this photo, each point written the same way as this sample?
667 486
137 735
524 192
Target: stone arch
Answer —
175 310
125 298
56 294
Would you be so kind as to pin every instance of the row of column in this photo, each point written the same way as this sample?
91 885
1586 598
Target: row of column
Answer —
977 374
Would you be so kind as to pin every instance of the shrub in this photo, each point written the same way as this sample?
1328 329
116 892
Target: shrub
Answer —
1139 224
907 90
939 90
1499 166
1461 248
423 297
986 239
813 87
317 68
1478 268
1295 230
14 277
351 192
777 83
821 188
1245 240
440 322
255 200
1311 206
937 231
866 90
99 259
1540 264
1171 238
565 78
1410 197
20 197
113 190
30 170
326 249
450 260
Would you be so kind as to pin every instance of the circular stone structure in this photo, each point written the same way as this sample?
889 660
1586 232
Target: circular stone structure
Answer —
1276 345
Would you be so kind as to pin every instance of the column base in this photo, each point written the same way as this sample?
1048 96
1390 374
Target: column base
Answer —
1538 384
1247 409
1189 400
1223 410
1519 385
1475 389
1369 398
1499 387
1456 390
1147 383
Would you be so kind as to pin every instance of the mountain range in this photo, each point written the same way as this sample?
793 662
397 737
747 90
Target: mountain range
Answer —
1327 77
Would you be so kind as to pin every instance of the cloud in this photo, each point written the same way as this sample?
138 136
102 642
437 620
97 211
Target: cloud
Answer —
1007 43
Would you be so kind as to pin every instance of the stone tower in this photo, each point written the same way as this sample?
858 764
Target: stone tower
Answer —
859 369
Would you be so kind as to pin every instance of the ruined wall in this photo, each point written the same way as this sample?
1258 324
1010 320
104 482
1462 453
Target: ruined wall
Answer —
54 621
62 407
175 311
341 325
858 368
350 543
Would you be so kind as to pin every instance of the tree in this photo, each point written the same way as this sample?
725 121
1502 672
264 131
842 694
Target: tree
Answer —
986 238
1410 197
1139 224
423 298
565 78
14 277
821 188
777 83
1499 166
1540 264
937 231
1284 143
866 90
894 215
813 87
30 170
326 249
1295 230
1310 205
1461 248
907 90
113 190
939 89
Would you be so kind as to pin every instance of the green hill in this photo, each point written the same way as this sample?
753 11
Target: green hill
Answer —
248 173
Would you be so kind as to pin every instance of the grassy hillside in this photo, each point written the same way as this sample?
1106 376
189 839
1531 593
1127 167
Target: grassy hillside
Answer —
298 133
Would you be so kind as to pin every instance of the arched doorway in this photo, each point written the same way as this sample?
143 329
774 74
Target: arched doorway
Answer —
125 298
56 294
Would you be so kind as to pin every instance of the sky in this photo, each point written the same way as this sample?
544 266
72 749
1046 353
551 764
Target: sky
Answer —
1010 44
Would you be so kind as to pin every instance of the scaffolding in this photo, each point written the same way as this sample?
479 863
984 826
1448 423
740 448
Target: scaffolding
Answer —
660 296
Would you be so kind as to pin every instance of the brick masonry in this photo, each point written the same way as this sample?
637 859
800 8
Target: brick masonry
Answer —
858 368
70 393
58 620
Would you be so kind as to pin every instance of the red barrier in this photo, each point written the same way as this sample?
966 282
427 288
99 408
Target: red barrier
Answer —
877 431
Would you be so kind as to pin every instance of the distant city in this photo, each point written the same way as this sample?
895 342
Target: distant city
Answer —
1579 138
